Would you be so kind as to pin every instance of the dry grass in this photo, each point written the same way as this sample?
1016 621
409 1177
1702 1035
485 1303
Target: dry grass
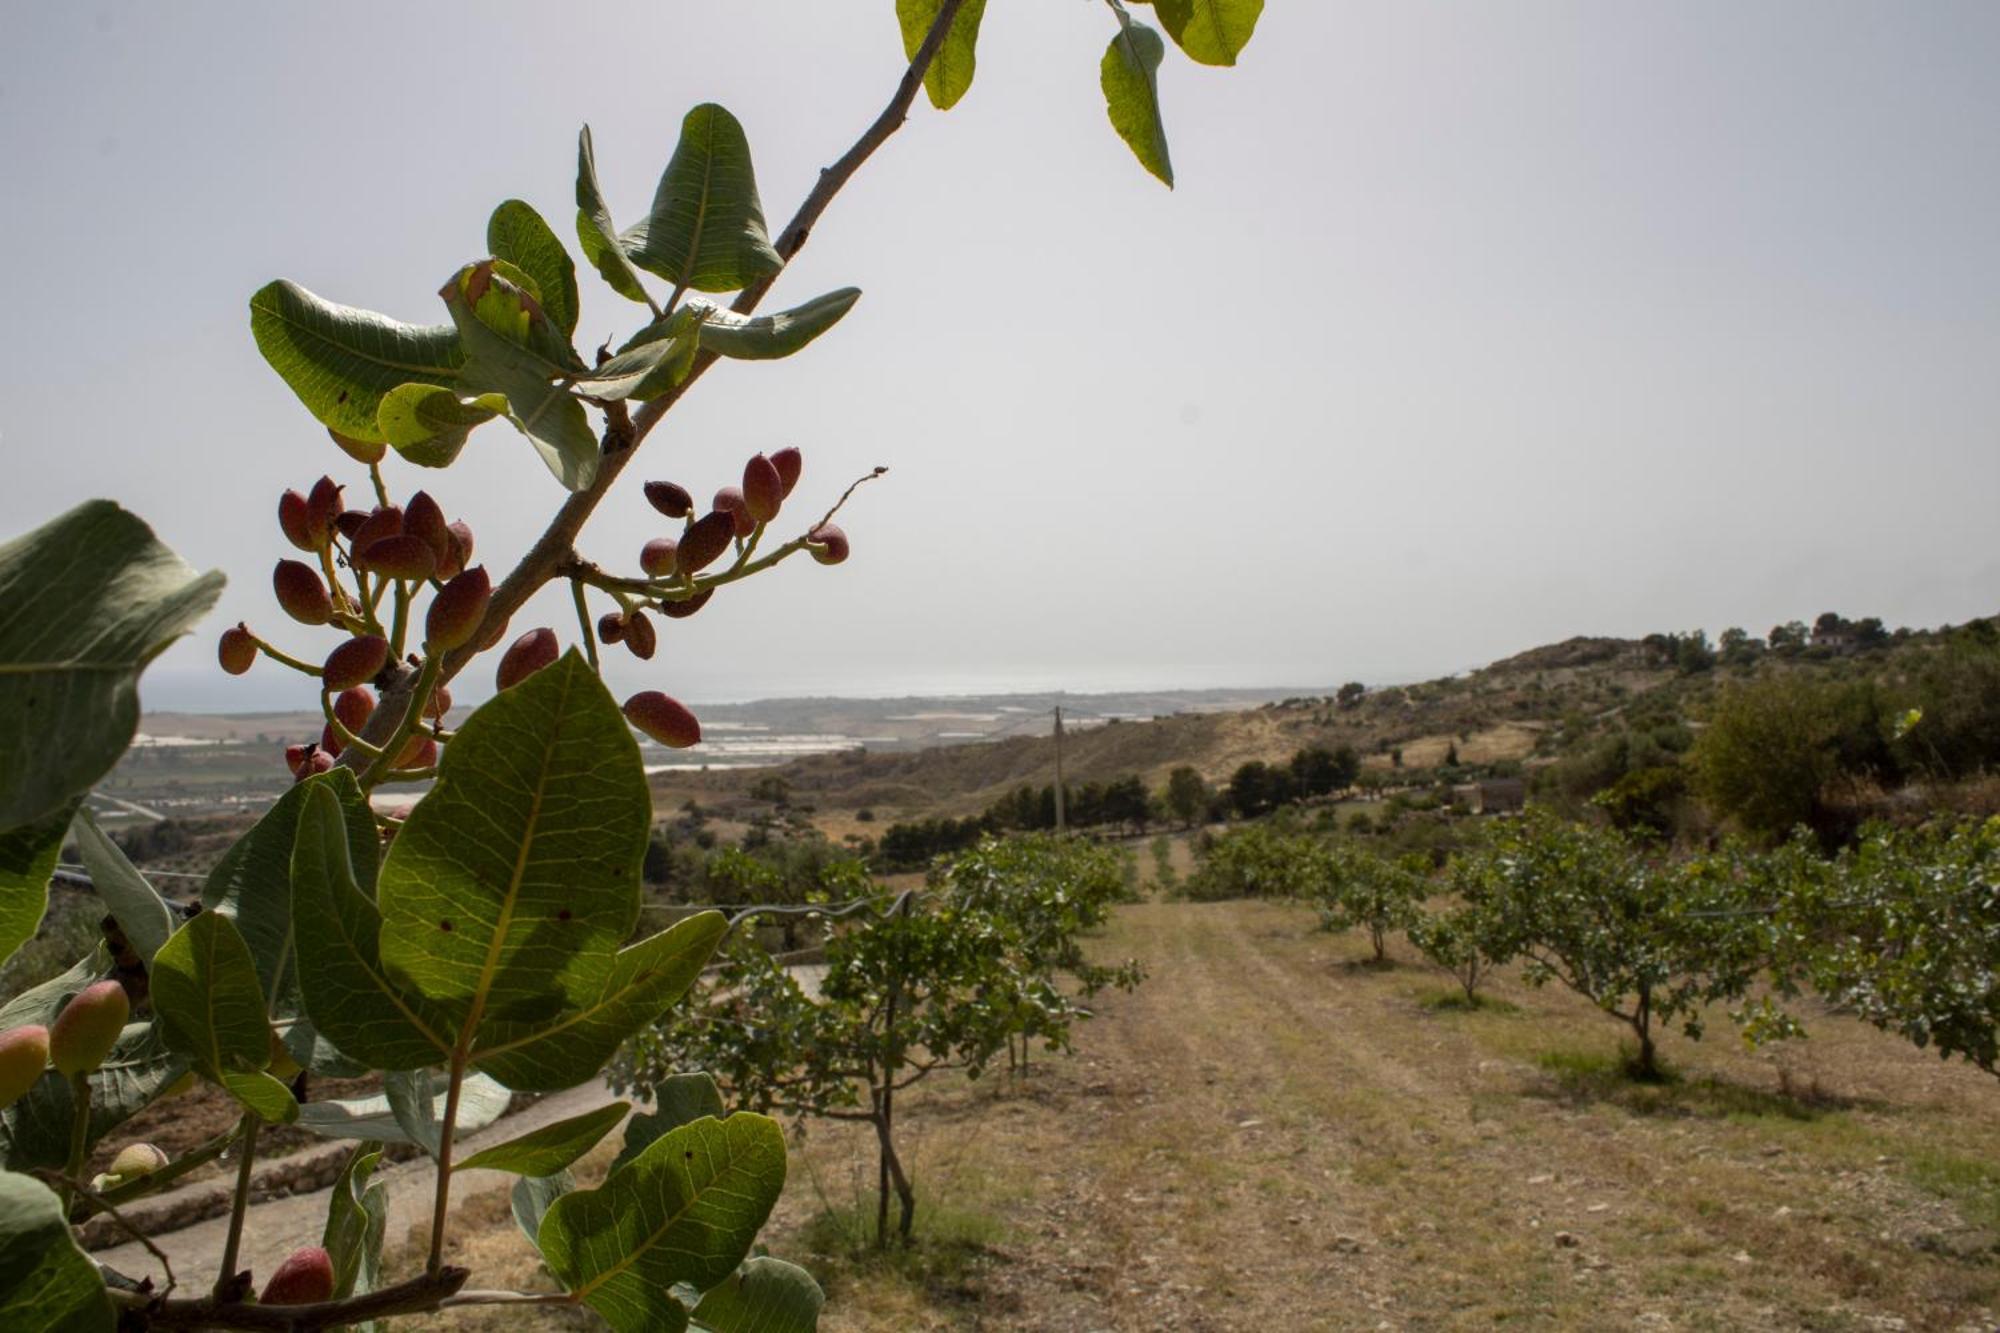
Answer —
1270 1136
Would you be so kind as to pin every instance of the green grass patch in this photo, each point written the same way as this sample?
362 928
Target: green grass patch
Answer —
1971 1184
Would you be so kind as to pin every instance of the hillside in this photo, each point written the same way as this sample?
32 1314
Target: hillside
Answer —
1526 710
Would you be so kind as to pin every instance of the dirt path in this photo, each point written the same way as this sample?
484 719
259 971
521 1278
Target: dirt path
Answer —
1270 1134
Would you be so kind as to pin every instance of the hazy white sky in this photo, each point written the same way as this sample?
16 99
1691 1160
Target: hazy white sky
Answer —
1469 326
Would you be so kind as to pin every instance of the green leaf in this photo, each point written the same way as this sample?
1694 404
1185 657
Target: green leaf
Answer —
46 1282
517 234
86 601
340 361
767 337
530 1199
764 1296
1213 32
28 858
678 1099
497 322
1129 75
645 978
357 1216
251 883
595 232
269 1098
137 907
506 893
950 72
41 1003
205 991
706 229
685 1210
408 1110
337 930
428 424
545 1151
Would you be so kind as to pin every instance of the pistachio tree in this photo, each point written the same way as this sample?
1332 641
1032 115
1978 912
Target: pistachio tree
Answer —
483 944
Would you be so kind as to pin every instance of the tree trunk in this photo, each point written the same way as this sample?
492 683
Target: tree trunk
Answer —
1642 1023
890 1173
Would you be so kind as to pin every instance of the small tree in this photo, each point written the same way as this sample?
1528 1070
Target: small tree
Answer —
1373 892
1187 795
1471 936
1351 694
1646 942
1261 861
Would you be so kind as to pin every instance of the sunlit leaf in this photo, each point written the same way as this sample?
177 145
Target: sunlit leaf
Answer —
686 1210
1129 75
1213 32
496 325
545 1151
516 233
950 72
340 361
508 890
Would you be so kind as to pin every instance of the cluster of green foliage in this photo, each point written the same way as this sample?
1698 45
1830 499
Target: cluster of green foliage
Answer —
1257 788
484 944
1378 894
990 954
1117 801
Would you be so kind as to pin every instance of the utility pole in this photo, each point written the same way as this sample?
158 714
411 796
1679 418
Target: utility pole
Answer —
1060 820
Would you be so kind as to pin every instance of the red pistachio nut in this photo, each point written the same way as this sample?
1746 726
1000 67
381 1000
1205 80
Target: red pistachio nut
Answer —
421 752
687 606
24 1053
440 703
322 510
399 557
827 543
353 706
702 543
348 522
423 520
457 610
789 462
330 742
300 592
355 662
729 500
382 521
236 650
639 635
491 638
298 758
304 1278
525 656
460 554
664 718
669 499
763 488
295 520
611 628
656 557
361 451
88 1027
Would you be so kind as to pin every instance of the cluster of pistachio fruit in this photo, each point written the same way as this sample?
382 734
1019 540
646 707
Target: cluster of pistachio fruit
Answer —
367 567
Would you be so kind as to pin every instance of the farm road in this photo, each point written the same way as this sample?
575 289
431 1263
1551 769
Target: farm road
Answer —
1272 1134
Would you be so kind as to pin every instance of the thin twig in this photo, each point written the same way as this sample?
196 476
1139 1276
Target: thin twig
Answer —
239 1203
103 1205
